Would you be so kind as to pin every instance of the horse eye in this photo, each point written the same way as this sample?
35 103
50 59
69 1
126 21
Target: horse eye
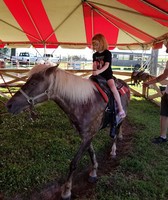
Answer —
33 83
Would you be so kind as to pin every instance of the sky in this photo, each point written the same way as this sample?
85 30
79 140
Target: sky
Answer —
87 53
59 52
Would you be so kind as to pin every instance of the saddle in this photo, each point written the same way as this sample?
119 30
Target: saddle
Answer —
111 108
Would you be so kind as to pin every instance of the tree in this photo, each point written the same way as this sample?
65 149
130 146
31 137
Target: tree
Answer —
4 51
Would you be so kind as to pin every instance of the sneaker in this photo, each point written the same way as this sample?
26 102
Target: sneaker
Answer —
159 140
122 114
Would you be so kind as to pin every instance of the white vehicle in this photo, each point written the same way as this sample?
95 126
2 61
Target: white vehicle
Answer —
24 58
47 58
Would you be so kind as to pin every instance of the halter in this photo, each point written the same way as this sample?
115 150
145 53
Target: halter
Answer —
31 100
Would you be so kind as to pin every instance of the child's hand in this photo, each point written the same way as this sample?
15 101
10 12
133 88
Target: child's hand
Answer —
95 73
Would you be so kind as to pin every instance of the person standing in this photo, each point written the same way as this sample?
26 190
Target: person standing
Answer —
2 64
102 66
164 105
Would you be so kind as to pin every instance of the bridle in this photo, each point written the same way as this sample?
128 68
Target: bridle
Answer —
31 100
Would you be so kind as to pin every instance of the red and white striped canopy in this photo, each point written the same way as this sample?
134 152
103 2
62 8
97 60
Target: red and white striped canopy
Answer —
127 24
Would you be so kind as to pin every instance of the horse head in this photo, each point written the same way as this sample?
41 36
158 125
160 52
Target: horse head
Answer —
134 77
35 90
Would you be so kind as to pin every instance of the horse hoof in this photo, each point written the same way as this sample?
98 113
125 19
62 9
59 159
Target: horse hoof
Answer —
92 179
113 157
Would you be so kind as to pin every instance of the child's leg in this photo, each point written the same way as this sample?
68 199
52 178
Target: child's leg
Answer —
115 92
163 126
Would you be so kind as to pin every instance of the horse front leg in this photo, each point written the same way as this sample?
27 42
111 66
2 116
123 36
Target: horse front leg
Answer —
93 173
66 189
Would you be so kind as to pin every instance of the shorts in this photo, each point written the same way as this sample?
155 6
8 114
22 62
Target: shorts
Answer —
107 74
164 105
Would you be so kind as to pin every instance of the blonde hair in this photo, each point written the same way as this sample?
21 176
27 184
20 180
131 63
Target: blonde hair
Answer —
165 42
102 40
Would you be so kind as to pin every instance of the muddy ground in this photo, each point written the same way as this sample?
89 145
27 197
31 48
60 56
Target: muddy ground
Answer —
83 190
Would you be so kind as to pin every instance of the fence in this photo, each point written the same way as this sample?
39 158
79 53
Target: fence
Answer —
17 77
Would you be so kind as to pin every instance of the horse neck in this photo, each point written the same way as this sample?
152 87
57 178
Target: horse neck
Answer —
70 89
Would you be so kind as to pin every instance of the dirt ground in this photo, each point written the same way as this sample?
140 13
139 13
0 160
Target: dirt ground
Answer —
83 190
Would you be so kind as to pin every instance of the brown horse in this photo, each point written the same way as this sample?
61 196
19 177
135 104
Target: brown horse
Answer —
79 99
138 76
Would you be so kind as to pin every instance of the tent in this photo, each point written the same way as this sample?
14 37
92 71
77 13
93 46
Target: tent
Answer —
127 24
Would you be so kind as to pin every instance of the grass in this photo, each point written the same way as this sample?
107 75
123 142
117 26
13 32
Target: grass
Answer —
143 174
151 91
35 153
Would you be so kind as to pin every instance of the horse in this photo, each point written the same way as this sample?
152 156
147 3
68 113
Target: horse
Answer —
134 77
79 98
138 76
145 77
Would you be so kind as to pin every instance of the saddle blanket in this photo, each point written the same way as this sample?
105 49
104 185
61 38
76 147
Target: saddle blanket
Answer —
122 90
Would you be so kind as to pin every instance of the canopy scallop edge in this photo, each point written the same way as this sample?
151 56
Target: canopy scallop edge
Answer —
138 24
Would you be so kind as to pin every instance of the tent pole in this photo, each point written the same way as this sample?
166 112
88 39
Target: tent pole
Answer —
44 50
154 56
142 59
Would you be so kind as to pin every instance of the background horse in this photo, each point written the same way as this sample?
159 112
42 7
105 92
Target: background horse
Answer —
138 76
79 99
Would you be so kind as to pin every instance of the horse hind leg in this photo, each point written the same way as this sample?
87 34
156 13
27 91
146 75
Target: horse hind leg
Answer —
114 141
93 173
120 133
113 148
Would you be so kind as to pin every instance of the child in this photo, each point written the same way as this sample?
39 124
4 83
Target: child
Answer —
102 66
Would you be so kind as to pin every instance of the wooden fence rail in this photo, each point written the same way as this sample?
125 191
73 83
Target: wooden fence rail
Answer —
153 93
17 77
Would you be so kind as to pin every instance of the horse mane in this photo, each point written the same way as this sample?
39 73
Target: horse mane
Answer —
38 68
74 88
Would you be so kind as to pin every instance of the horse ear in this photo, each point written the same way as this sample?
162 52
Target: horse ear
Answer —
50 70
57 65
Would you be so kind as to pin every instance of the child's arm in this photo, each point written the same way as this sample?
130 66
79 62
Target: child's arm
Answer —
99 71
94 66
